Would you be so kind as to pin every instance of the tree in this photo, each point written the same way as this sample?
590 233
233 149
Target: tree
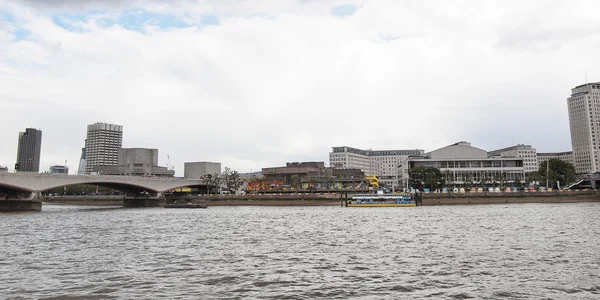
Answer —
426 177
448 178
468 180
214 180
232 180
559 170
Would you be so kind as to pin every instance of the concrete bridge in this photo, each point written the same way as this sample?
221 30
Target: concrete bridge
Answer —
139 191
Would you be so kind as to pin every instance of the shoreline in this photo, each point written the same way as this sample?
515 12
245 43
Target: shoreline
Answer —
336 202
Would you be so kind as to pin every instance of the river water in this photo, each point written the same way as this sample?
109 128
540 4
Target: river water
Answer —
528 251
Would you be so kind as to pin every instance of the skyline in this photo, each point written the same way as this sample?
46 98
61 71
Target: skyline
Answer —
287 82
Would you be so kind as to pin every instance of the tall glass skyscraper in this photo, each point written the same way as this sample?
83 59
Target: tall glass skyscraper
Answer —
28 153
81 169
102 145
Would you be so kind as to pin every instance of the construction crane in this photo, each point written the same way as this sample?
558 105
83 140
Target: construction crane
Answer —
169 165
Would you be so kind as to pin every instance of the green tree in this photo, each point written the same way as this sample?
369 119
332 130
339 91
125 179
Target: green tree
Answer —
468 180
231 179
559 170
426 177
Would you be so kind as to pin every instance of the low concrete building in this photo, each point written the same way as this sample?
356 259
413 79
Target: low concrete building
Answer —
463 164
315 173
136 162
564 156
59 169
200 169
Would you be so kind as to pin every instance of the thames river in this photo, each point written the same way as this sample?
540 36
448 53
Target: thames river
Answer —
527 251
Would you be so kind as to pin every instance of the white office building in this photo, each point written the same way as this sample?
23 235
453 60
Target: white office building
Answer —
584 121
464 164
102 145
389 165
526 152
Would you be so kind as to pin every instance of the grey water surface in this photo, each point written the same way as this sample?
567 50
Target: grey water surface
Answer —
516 251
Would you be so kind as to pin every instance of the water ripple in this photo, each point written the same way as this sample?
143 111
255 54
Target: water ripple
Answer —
529 251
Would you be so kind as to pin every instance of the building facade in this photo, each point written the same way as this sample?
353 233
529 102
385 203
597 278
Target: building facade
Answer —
102 145
200 169
136 162
526 152
59 169
81 168
29 150
584 122
389 165
566 156
464 164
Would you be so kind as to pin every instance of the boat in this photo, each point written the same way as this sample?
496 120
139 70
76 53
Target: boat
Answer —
186 205
382 200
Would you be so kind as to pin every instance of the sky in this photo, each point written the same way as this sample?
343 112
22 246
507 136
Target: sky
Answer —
255 84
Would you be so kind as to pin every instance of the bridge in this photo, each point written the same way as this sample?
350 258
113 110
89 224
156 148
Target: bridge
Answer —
139 191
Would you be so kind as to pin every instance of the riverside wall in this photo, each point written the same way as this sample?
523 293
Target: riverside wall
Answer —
333 199
518 197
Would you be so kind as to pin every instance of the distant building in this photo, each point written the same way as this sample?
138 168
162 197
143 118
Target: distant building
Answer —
136 162
526 152
464 163
564 156
200 169
313 174
28 153
81 169
584 122
386 164
3 169
102 145
59 169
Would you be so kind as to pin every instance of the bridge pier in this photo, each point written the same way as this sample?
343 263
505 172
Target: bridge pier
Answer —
147 200
20 201
20 205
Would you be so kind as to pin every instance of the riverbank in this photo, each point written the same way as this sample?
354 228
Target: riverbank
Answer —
334 200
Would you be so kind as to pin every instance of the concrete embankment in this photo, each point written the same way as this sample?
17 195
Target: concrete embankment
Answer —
86 200
334 199
503 198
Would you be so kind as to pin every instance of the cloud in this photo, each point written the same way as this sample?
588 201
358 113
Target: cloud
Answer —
259 83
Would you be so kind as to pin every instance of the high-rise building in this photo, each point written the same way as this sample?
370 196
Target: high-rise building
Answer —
59 169
28 154
389 165
526 152
102 145
81 168
584 121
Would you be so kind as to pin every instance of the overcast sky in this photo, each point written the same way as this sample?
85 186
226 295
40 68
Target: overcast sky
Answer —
255 84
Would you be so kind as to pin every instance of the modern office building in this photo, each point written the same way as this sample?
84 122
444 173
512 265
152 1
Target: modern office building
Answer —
196 170
584 122
81 168
102 145
136 162
564 156
59 169
28 153
526 152
464 164
389 165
